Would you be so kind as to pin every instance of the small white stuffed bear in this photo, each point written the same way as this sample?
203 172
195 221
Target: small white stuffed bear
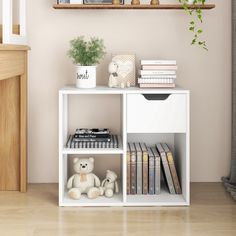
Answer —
84 181
115 81
110 184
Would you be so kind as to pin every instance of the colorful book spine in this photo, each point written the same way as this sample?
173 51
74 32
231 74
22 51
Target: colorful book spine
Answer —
157 171
166 168
173 171
128 169
151 162
139 163
133 170
145 167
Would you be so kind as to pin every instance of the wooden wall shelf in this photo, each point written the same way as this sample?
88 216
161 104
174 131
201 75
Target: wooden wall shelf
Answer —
132 7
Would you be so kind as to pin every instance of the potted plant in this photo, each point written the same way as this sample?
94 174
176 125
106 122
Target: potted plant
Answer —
196 15
86 55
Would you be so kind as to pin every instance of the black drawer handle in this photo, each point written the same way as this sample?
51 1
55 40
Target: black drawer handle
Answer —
156 96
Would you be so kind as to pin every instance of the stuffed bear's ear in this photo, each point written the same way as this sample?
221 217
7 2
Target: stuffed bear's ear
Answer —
75 160
108 171
91 159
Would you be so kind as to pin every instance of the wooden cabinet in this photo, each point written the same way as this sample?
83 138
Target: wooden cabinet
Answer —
13 117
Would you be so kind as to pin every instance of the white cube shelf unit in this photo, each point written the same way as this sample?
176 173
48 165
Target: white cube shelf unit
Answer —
146 115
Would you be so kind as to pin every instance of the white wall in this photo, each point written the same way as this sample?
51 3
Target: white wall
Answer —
149 34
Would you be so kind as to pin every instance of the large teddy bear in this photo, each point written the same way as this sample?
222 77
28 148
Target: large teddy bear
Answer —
84 181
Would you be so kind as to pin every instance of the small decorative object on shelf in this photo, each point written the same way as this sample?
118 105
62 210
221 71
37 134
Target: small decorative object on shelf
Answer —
155 2
122 71
116 2
76 1
110 184
84 181
157 74
135 2
86 55
63 1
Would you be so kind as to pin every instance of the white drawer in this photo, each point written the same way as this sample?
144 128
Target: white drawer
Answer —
156 113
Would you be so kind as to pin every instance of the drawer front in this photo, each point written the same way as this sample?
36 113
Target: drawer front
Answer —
156 113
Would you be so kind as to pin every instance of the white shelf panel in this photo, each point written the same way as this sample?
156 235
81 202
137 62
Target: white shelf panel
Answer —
70 89
92 151
163 199
116 200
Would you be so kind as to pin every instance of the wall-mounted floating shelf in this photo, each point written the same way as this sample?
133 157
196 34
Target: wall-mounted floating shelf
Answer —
133 7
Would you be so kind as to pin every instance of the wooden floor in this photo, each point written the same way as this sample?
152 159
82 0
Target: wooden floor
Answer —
36 213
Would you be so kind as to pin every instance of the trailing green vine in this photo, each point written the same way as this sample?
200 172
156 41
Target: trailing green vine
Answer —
196 15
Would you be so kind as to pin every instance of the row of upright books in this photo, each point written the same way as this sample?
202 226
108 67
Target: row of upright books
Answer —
147 165
93 138
157 74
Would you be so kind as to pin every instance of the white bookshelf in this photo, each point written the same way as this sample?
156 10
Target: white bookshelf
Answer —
146 115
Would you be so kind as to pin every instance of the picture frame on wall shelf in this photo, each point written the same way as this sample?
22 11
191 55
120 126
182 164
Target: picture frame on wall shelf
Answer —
100 2
63 1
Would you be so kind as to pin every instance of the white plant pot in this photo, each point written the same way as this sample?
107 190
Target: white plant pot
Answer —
85 76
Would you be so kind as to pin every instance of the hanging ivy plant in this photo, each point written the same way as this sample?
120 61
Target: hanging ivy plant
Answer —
196 15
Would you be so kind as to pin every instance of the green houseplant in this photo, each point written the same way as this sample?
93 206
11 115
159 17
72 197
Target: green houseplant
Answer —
86 54
196 18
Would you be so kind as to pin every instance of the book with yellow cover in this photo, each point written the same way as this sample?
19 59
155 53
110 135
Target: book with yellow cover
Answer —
173 171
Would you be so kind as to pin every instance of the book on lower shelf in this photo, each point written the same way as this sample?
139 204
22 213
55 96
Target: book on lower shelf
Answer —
154 162
157 74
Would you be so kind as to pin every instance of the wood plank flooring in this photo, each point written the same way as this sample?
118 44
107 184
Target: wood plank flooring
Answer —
36 213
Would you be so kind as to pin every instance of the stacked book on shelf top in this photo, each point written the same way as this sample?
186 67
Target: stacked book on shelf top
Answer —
93 138
157 74
146 165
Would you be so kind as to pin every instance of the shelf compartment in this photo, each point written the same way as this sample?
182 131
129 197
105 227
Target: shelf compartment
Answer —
179 145
132 7
102 163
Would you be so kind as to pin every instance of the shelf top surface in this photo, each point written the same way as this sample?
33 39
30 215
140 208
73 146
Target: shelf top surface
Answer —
71 89
134 7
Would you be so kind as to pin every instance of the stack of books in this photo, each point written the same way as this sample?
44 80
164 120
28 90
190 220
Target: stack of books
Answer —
93 138
144 166
157 74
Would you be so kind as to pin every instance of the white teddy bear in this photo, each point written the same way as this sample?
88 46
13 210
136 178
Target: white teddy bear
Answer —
110 184
84 181
115 81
